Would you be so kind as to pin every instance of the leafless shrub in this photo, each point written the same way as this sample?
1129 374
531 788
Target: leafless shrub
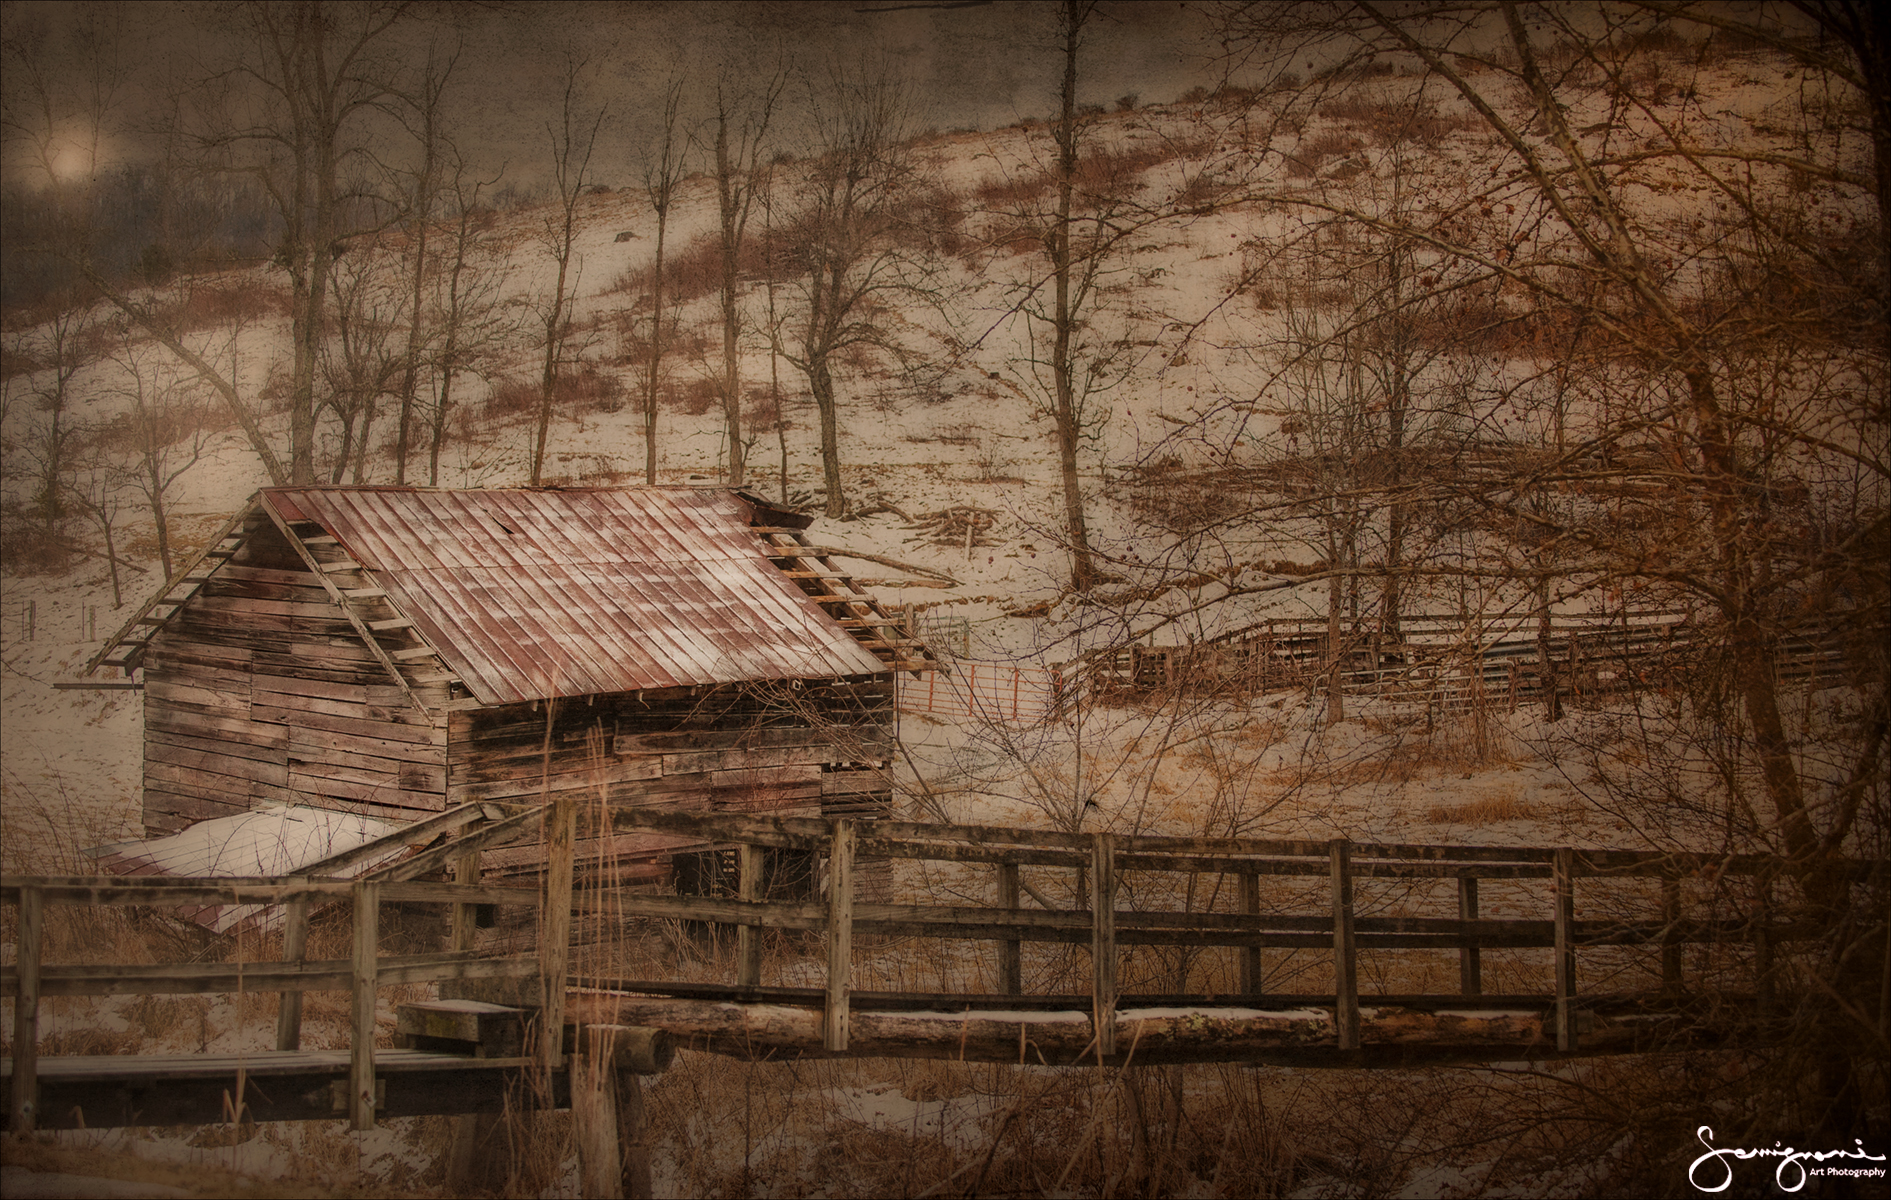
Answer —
1390 122
1305 160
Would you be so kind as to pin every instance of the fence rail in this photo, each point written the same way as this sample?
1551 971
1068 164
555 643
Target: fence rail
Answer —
1105 858
1442 659
750 1019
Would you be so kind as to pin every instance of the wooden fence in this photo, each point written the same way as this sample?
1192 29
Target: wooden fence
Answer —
1103 860
1443 660
28 980
744 1017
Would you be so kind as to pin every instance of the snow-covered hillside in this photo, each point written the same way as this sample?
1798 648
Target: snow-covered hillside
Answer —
1398 340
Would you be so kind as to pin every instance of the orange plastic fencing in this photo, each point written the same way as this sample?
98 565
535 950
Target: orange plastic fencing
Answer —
986 691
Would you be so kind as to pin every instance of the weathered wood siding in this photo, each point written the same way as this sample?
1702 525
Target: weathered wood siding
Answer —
259 690
748 748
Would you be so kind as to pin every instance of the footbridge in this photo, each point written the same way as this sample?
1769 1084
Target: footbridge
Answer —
1037 948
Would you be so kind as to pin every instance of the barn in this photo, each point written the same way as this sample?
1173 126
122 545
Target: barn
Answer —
394 652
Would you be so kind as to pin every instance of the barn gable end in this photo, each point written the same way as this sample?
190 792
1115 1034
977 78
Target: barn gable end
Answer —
258 689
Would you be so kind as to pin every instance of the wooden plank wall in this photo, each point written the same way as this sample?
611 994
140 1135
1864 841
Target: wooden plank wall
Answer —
261 691
748 748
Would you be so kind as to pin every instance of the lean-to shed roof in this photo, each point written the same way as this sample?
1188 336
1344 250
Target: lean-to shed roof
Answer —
269 842
528 594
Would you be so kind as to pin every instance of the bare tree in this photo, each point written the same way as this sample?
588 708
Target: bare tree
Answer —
96 489
1066 403
665 164
306 103
61 348
1720 453
741 120
843 240
165 431
1079 211
572 137
421 199
361 361
467 308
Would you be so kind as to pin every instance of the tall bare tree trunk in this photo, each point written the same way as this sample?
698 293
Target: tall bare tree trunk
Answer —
1063 317
571 146
432 87
736 165
731 247
660 179
821 383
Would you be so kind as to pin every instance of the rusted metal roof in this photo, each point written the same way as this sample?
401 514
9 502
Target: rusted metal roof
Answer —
531 594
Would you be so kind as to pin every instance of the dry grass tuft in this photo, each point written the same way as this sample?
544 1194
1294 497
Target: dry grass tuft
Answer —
1499 806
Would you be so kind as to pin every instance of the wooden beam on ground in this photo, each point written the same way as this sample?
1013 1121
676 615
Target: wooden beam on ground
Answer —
1283 1032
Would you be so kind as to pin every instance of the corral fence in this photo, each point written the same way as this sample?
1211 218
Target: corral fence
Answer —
1444 661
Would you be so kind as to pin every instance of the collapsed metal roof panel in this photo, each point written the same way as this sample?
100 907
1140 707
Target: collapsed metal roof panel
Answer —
529 594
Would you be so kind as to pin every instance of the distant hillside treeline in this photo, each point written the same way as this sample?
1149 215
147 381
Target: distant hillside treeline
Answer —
139 222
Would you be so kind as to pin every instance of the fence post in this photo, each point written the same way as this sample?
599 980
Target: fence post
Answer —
466 916
1251 955
1565 871
1010 951
840 933
554 953
1670 935
295 943
25 1099
1470 958
1103 944
748 938
1345 952
1763 946
367 898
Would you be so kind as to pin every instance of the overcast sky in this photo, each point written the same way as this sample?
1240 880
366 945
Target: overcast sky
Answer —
970 66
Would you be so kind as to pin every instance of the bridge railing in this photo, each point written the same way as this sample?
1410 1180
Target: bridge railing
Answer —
1326 920
29 980
1105 928
458 837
